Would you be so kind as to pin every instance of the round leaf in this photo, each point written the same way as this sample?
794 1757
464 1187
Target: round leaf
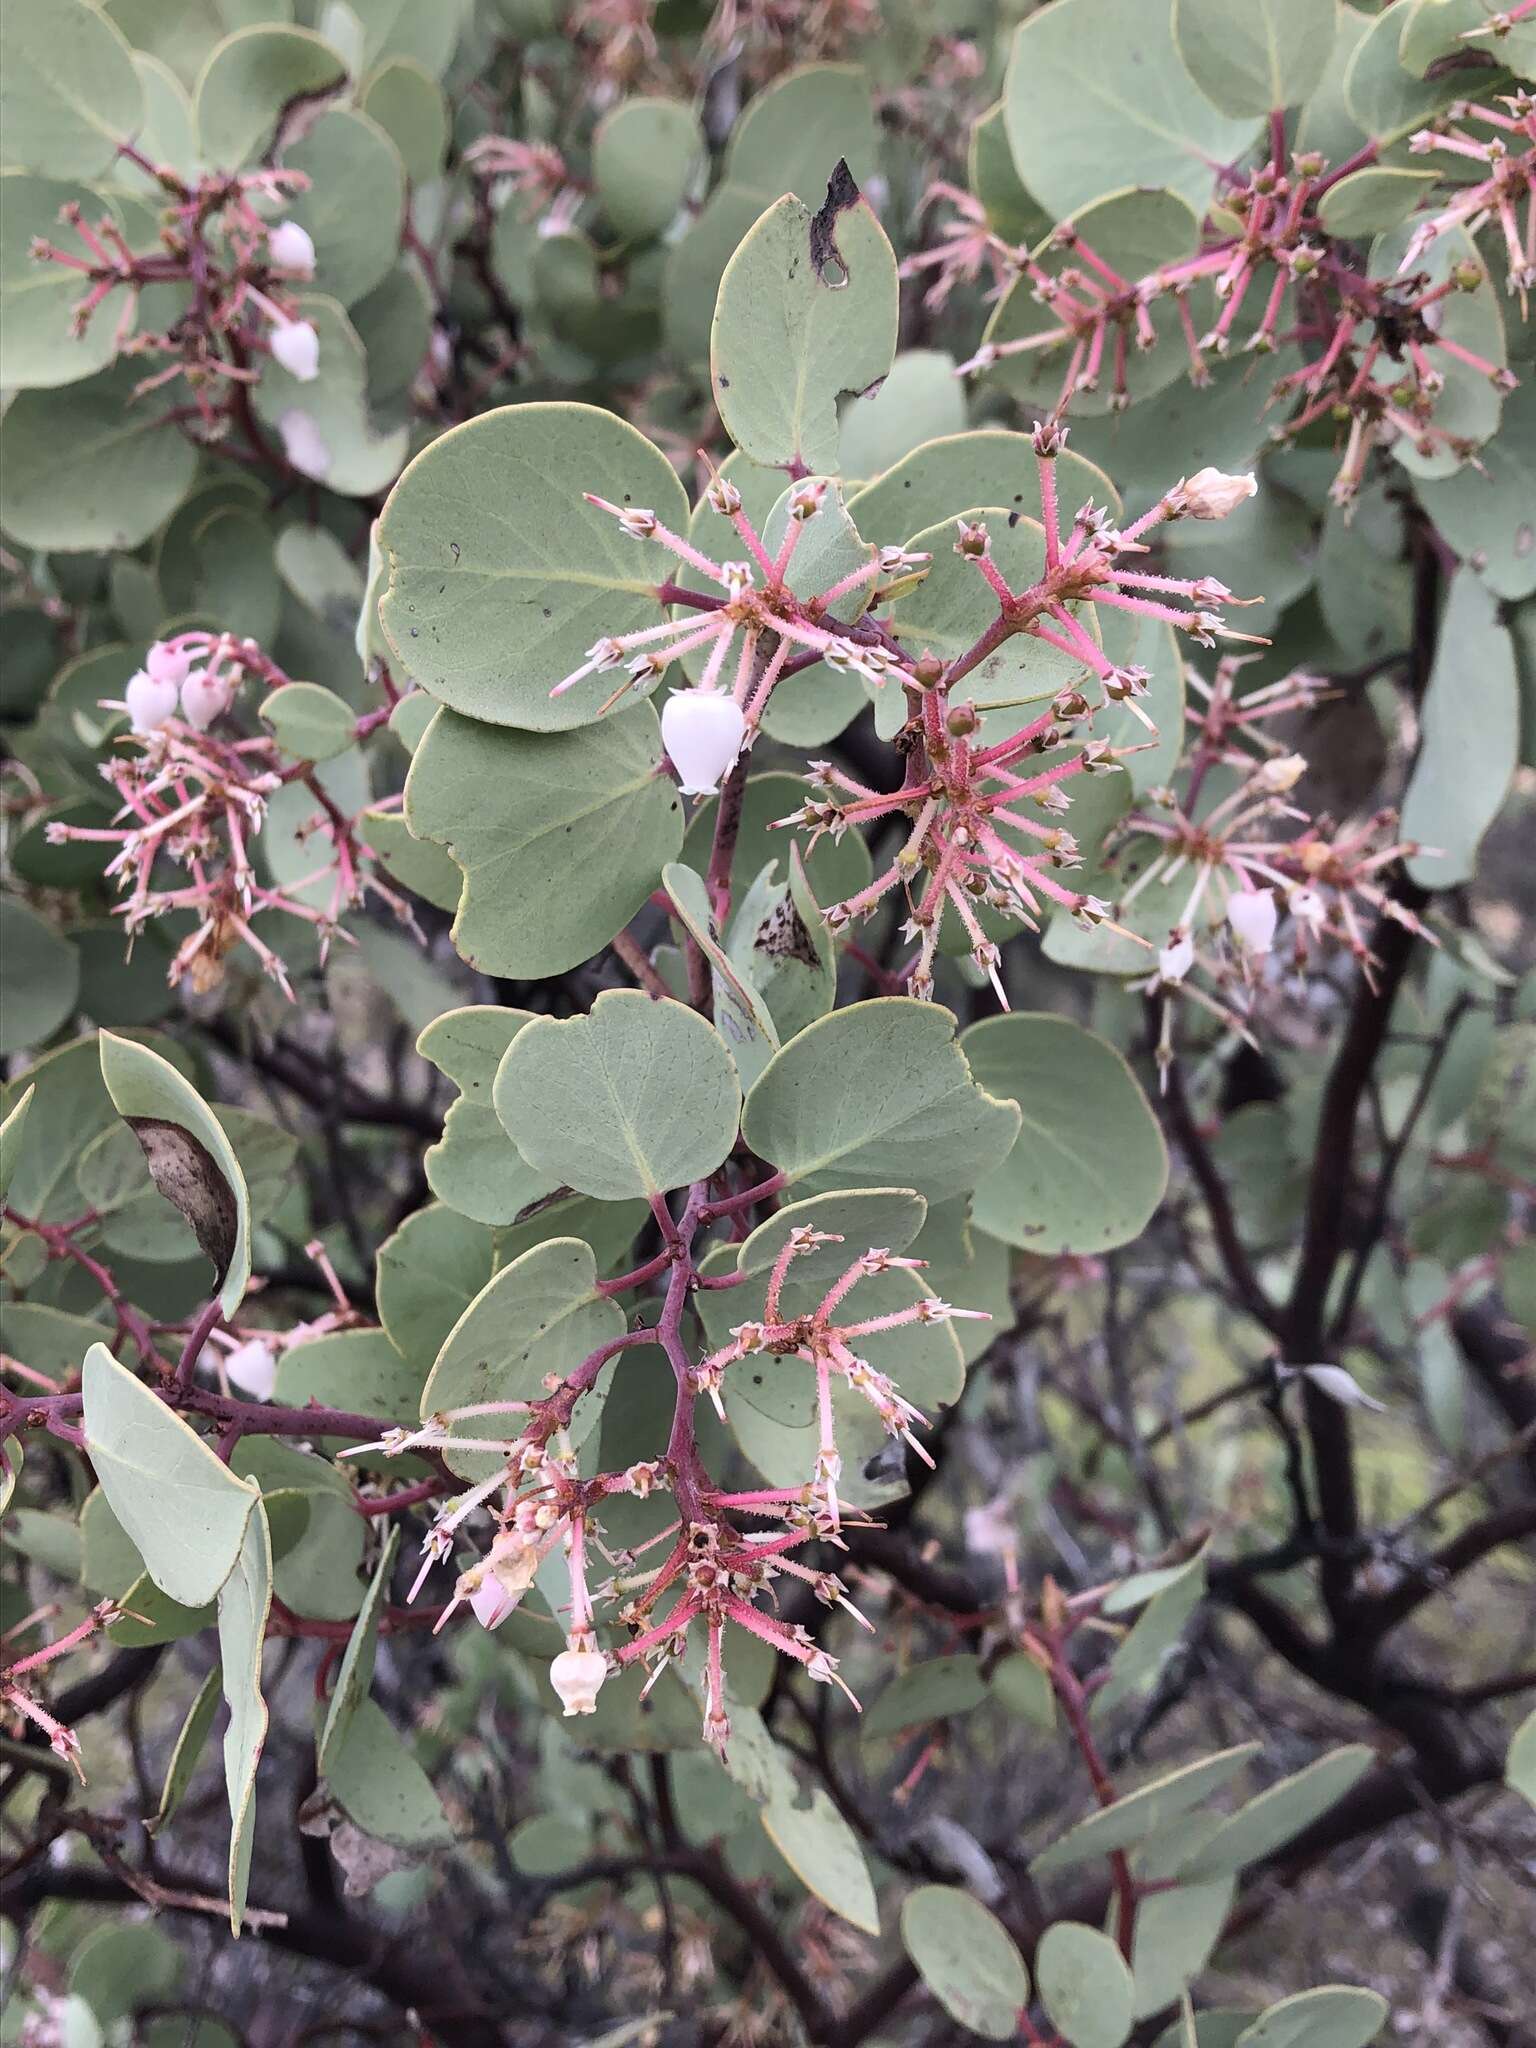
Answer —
875 1095
561 836
1089 1165
1263 56
1085 1985
641 156
91 466
249 81
68 91
540 1316
501 576
42 977
309 721
633 1099
967 1959
1334 2016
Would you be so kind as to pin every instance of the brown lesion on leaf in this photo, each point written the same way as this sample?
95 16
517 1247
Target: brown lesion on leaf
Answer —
826 258
191 1180
785 935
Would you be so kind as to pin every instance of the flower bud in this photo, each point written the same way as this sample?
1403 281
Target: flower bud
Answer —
963 720
303 444
296 346
1209 494
289 248
1253 915
702 730
151 700
252 1367
577 1674
203 698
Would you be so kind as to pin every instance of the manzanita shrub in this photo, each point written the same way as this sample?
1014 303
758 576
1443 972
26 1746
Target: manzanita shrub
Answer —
629 851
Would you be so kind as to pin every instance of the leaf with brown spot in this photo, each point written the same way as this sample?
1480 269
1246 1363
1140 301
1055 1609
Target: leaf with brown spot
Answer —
189 1156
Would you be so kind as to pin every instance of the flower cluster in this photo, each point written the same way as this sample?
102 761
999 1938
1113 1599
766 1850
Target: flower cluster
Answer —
714 1571
217 237
1266 881
1380 355
982 833
194 793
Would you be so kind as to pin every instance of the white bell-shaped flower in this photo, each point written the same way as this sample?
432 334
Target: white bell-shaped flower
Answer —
290 248
296 346
168 664
577 1674
303 444
1308 908
1253 915
490 1603
204 698
1176 958
151 700
252 1367
702 730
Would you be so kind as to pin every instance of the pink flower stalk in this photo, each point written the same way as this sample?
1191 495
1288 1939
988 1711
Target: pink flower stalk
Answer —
965 248
218 238
1255 862
983 834
1511 181
194 798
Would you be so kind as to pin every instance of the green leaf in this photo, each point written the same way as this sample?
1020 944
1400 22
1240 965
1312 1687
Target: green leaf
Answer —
1382 97
1176 1934
783 946
189 1154
1520 1764
1089 1165
935 1690
1131 117
635 1098
920 399
1141 1813
12 1131
1484 510
475 1167
824 1853
416 864
309 722
1336 2016
186 1753
42 977
1023 1688
355 1674
741 1017
248 83
37 348
1265 56
90 466
185 1510
1469 736
245 1600
1271 1820
806 311
408 104
1140 1657
561 836
967 1959
356 1370
1217 2028
354 207
68 91
501 575
642 154
373 1775
117 1969
853 1218
789 139
1371 200
540 1316
429 1272
940 478
861 1098
1084 1985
